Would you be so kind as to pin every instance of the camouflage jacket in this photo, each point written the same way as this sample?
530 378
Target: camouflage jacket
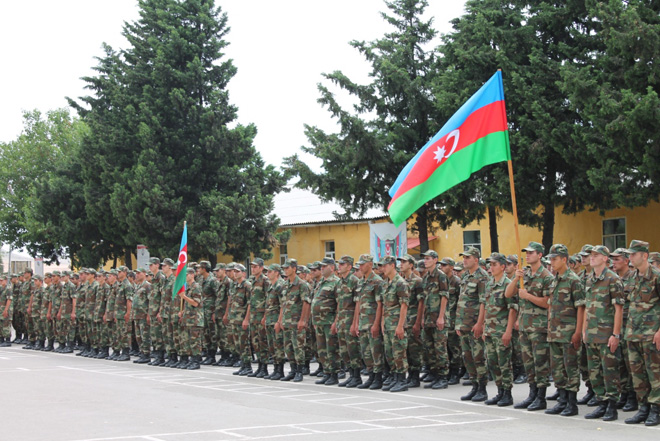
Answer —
566 295
628 281
497 307
168 308
140 307
347 298
6 294
295 294
454 284
123 294
37 300
416 285
156 297
534 318
81 300
91 299
260 286
102 294
370 289
435 287
395 293
472 296
222 297
273 301
111 301
644 312
324 303
193 315
601 294
68 295
240 299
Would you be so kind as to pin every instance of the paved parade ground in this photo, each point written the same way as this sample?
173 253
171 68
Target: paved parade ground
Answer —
54 397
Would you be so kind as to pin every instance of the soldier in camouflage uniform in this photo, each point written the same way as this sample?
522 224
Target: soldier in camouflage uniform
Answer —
371 339
109 316
140 314
519 375
501 314
239 317
453 340
643 335
34 312
565 320
25 293
533 319
82 331
91 292
294 316
602 333
232 342
18 321
324 314
6 312
275 340
100 328
167 314
192 319
628 399
67 315
258 334
585 261
209 285
395 298
346 321
221 301
155 299
414 319
55 301
123 305
470 315
46 327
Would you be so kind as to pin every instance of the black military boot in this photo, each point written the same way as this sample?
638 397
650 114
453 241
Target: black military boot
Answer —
611 413
598 412
240 369
533 390
264 372
641 415
631 403
174 359
292 373
453 377
194 363
305 369
357 379
144 359
5 343
318 372
49 348
38 345
472 392
68 349
391 381
154 360
299 374
124 355
654 416
348 379
496 399
622 400
30 345
93 353
482 393
247 370
332 380
588 397
401 384
103 353
507 399
323 379
434 376
183 362
571 408
210 358
553 397
278 372
257 372
539 402
521 378
440 383
430 377
369 381
562 402
378 381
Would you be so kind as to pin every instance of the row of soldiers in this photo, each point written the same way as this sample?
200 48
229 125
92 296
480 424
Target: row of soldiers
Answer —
391 318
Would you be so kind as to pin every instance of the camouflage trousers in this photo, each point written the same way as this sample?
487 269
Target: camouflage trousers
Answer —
516 352
474 356
372 351
191 340
310 343
242 342
565 361
179 331
259 339
294 345
536 357
81 331
5 326
18 321
36 331
29 326
168 335
156 334
327 346
644 360
396 351
100 331
110 326
122 334
454 351
435 346
275 344
584 365
499 361
67 330
603 370
415 352
221 335
349 347
142 335
210 339
624 369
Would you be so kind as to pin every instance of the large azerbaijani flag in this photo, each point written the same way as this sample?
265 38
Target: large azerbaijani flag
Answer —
181 264
477 135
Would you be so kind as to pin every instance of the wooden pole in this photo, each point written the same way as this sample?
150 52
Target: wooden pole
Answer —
181 307
515 216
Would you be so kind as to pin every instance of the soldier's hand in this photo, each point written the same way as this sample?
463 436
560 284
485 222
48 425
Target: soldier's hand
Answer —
48 317
333 329
400 333
225 321
375 331
506 338
613 343
523 294
73 316
516 325
5 314
576 340
29 311
59 316
301 325
148 320
458 332
354 331
159 318
263 321
245 325
519 273
440 324
656 340
478 330
278 327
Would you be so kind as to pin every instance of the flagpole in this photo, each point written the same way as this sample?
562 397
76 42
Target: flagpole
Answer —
184 227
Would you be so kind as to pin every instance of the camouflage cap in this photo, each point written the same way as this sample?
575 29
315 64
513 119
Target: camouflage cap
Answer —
365 258
545 260
3 276
219 266
168 261
471 251
239 267
421 264
407 258
447 261
48 274
512 258
558 249
28 270
38 277
91 271
327 261
459 267
303 269
292 262
193 265
66 273
346 259
314 265
154 261
206 265
431 253
75 276
376 264
388 259
275 267
190 271
654 257
497 257
572 259
637 246
122 269
482 262
141 270
231 266
601 249
586 250
257 261
113 272
534 246
620 252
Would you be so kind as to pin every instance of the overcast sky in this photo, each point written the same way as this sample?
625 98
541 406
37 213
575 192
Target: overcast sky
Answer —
280 50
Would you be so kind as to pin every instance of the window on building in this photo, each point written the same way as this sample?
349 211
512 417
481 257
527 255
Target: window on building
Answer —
472 239
284 253
330 248
614 233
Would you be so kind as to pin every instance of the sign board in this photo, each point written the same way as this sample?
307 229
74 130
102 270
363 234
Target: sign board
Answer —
142 257
388 240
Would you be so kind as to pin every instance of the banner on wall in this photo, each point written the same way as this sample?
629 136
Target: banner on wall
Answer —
388 240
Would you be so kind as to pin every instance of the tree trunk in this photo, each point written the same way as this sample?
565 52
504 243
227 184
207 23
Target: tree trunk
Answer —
548 225
423 229
492 224
128 258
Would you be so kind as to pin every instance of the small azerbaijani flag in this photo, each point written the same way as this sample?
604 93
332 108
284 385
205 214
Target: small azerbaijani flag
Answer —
181 264
475 136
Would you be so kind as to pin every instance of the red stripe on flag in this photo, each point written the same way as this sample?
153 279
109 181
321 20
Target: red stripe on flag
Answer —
484 121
